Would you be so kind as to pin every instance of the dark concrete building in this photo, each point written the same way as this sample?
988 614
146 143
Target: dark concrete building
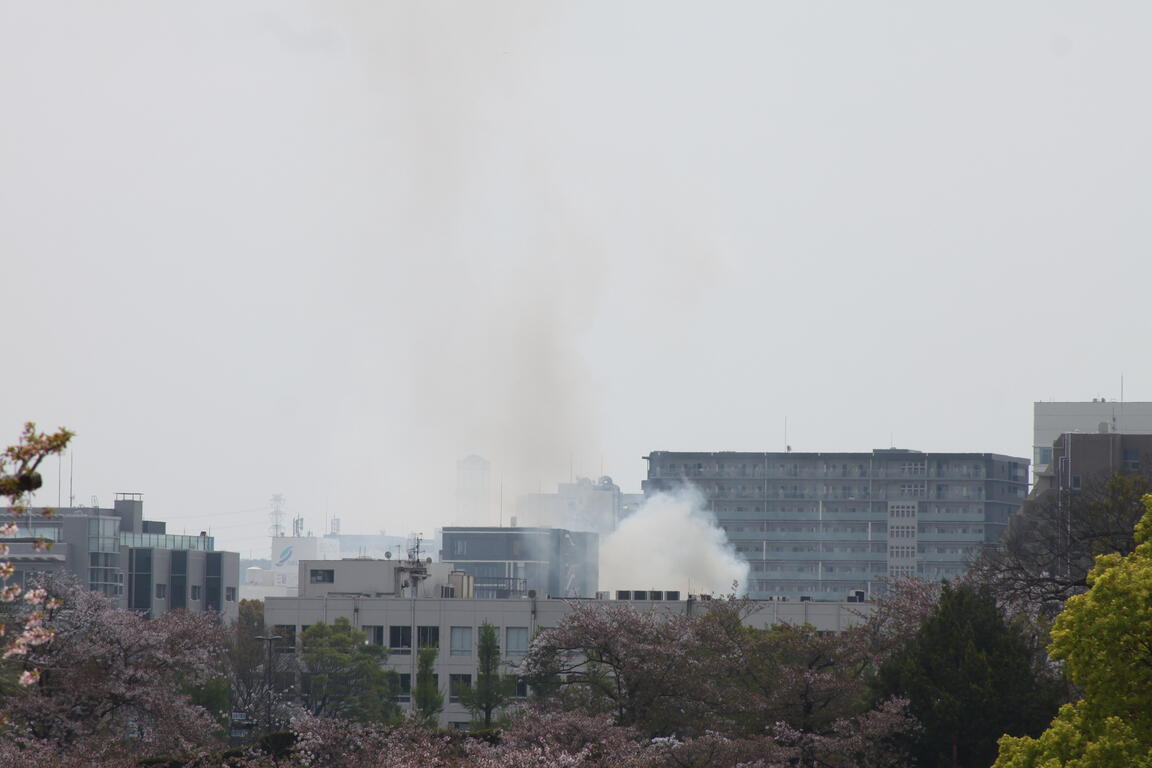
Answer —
510 562
833 526
119 553
1081 459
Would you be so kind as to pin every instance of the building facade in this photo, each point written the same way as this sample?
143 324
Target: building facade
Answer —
377 597
585 505
1100 416
829 526
132 560
514 562
1078 460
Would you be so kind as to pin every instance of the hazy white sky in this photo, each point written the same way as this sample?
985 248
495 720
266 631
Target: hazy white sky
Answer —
326 249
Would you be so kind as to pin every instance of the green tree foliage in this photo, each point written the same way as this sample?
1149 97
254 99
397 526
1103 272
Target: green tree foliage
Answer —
343 676
1104 638
491 690
427 699
969 676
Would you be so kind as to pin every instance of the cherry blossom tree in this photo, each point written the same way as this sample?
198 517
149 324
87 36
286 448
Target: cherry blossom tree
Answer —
111 676
19 476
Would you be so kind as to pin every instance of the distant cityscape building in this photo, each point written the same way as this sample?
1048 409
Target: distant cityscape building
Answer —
830 526
584 505
473 489
408 605
1078 460
132 560
511 562
1050 420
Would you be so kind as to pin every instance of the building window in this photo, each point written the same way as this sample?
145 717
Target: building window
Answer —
427 637
161 591
374 633
517 640
197 590
230 594
461 641
400 640
326 576
460 547
1075 482
456 684
405 692
521 688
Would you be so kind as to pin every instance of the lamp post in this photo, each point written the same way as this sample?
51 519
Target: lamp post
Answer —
268 682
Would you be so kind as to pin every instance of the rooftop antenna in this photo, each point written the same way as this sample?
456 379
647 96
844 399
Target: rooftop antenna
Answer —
276 516
786 446
71 477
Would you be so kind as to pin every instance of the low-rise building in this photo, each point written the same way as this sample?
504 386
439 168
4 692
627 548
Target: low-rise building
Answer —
132 560
408 605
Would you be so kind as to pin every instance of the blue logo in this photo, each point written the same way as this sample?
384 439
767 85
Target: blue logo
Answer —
285 556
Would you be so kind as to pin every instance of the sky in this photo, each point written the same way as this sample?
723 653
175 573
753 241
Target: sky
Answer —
327 249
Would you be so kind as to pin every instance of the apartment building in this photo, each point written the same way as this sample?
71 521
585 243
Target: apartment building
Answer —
436 609
132 560
829 526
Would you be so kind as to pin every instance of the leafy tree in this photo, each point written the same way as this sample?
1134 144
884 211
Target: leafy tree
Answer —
969 676
492 690
343 676
1051 544
1104 638
426 696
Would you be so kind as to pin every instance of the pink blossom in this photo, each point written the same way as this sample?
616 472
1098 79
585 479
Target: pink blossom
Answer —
29 677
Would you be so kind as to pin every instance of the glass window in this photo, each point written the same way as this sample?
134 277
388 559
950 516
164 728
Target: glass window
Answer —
405 693
375 634
456 684
517 640
325 576
428 637
400 640
161 591
196 591
230 594
461 641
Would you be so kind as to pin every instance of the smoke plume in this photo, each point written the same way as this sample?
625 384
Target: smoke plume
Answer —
671 542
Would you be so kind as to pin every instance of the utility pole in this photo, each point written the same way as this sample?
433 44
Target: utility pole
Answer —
268 682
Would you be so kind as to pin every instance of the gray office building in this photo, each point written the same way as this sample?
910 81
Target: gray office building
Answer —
514 562
132 560
835 526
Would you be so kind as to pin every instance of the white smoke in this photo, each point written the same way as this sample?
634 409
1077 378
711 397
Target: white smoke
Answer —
671 542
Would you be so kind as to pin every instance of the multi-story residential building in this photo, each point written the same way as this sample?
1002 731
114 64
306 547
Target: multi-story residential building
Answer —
1050 420
826 526
407 605
119 553
512 562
